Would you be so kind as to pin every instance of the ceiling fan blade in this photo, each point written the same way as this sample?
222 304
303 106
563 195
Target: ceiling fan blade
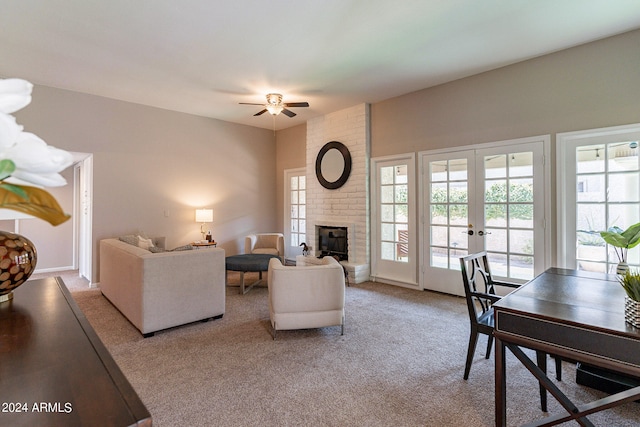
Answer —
288 112
296 104
248 103
261 112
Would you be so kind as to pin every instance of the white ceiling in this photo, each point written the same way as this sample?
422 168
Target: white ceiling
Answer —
203 57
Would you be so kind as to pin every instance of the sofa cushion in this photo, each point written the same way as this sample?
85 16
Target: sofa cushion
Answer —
145 243
156 249
182 248
131 239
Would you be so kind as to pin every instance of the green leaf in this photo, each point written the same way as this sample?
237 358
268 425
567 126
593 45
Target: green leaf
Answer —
37 202
7 167
632 235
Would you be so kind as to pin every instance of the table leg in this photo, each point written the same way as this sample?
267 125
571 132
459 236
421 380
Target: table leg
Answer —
501 384
242 283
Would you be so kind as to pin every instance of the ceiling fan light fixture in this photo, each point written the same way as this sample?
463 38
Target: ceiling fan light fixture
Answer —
274 109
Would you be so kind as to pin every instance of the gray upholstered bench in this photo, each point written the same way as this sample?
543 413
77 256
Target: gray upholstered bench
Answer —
247 263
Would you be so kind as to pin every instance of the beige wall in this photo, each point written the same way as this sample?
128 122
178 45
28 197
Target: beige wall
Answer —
589 86
290 148
149 163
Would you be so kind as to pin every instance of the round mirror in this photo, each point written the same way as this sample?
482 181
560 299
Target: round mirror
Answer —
333 165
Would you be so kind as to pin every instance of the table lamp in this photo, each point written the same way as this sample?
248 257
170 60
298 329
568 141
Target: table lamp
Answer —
203 216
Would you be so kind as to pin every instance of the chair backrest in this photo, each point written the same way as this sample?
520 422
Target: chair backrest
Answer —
479 287
273 241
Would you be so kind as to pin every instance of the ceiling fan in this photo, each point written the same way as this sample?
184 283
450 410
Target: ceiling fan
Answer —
275 105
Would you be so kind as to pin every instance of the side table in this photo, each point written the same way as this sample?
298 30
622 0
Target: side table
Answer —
198 245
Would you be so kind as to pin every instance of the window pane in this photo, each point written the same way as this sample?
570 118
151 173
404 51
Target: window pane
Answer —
623 187
521 164
439 193
458 215
591 217
495 166
439 236
438 171
495 191
294 182
521 215
302 211
388 251
590 158
386 194
459 237
521 267
458 192
386 232
294 211
495 215
521 190
438 214
294 197
623 156
401 195
458 170
401 174
386 175
302 183
386 213
521 241
496 240
590 188
402 212
302 197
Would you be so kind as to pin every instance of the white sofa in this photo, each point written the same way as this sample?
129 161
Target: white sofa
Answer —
303 297
157 291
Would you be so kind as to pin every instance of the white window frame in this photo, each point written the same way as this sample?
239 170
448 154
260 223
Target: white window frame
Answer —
565 142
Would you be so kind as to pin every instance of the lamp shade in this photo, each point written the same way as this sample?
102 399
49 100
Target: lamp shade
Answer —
204 215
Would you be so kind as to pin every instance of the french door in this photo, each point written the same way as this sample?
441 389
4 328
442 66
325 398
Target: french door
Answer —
492 198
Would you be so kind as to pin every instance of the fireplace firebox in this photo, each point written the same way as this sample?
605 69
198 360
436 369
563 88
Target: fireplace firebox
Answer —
332 241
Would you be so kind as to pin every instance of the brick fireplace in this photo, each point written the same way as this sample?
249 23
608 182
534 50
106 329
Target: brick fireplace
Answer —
347 206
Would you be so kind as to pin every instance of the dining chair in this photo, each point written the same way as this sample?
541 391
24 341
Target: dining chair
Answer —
480 294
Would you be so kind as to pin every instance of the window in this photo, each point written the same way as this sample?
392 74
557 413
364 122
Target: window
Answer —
598 187
394 213
298 222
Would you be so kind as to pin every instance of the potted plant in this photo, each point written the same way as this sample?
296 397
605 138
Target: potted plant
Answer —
630 281
622 241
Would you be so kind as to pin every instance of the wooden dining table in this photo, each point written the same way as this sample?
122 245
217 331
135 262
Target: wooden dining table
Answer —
576 315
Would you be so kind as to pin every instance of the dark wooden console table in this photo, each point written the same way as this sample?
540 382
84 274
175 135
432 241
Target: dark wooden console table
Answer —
54 370
576 315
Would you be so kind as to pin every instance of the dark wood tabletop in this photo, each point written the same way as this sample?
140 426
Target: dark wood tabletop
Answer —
573 314
54 370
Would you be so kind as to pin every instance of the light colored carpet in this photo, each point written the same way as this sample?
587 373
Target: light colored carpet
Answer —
400 363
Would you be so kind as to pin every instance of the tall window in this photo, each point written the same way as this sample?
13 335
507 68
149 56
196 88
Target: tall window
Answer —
298 222
394 213
598 188
607 195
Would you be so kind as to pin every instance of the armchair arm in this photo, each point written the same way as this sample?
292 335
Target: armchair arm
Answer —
491 297
249 243
507 284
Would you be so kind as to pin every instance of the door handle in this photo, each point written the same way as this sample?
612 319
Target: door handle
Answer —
469 232
482 233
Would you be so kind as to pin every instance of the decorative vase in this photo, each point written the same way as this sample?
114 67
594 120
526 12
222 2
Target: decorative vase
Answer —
18 259
622 268
632 311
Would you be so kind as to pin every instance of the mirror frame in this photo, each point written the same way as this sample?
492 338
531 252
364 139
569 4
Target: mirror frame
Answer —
344 151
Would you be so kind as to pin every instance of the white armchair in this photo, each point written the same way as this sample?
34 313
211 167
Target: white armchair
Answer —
265 243
304 297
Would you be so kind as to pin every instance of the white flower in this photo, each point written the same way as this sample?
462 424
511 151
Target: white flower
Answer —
9 130
14 95
36 162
